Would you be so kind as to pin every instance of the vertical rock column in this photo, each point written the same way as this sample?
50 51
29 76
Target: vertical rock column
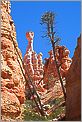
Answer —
35 67
33 63
41 88
40 64
50 71
73 86
28 56
12 80
28 63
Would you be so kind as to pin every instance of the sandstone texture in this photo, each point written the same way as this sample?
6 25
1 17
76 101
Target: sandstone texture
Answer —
73 86
45 76
33 65
12 80
50 71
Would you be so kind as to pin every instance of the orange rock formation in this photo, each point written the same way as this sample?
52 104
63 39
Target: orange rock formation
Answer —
12 80
73 86
47 72
33 64
63 62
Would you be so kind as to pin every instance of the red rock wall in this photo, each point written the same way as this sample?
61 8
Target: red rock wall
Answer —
50 70
12 80
73 86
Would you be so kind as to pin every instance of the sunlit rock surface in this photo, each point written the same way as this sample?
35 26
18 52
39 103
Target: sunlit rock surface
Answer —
50 69
33 65
12 80
46 73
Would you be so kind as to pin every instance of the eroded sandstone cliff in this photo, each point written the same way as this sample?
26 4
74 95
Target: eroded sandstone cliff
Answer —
12 80
73 86
45 76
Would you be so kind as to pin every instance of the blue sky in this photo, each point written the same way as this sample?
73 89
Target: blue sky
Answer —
26 16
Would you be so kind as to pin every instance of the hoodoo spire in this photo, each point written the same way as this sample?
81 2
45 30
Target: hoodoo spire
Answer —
30 36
